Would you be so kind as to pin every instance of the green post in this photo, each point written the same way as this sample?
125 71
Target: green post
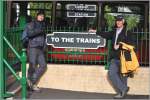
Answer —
23 80
108 50
23 14
1 51
108 55
22 21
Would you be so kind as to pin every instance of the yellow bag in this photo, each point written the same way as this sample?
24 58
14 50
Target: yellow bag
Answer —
128 66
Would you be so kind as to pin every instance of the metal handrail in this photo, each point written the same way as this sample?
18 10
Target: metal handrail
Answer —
11 47
11 69
23 59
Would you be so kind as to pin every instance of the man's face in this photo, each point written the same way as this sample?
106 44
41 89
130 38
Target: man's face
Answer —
40 17
119 23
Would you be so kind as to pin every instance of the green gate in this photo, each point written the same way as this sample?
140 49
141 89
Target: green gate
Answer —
6 62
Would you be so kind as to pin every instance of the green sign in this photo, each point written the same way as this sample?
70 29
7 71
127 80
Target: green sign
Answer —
75 40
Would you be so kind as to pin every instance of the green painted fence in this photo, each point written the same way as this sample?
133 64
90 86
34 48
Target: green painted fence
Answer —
80 56
67 56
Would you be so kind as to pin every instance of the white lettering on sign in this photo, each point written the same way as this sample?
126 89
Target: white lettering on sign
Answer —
87 40
75 40
55 39
79 10
70 40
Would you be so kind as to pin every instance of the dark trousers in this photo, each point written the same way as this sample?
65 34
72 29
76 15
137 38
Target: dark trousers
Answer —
119 82
36 57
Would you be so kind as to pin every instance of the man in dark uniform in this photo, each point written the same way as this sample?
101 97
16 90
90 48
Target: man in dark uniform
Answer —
36 34
120 34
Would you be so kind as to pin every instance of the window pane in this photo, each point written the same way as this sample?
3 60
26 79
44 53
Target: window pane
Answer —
76 15
127 11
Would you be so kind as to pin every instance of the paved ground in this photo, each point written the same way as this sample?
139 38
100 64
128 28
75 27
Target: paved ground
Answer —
59 80
64 94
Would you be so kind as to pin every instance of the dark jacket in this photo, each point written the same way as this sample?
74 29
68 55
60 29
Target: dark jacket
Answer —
36 34
124 36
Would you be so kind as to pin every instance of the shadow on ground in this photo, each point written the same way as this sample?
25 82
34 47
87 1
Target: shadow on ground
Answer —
66 94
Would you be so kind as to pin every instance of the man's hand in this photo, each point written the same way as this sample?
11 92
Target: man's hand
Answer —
116 47
92 30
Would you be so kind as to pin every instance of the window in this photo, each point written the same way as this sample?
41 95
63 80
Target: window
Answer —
79 15
126 10
34 7
15 14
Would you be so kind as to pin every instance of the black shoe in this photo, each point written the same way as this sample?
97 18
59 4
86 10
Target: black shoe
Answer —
32 87
29 85
118 96
122 94
35 88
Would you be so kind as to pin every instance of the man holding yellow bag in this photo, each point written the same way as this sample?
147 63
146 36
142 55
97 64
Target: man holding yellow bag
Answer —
128 67
120 34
